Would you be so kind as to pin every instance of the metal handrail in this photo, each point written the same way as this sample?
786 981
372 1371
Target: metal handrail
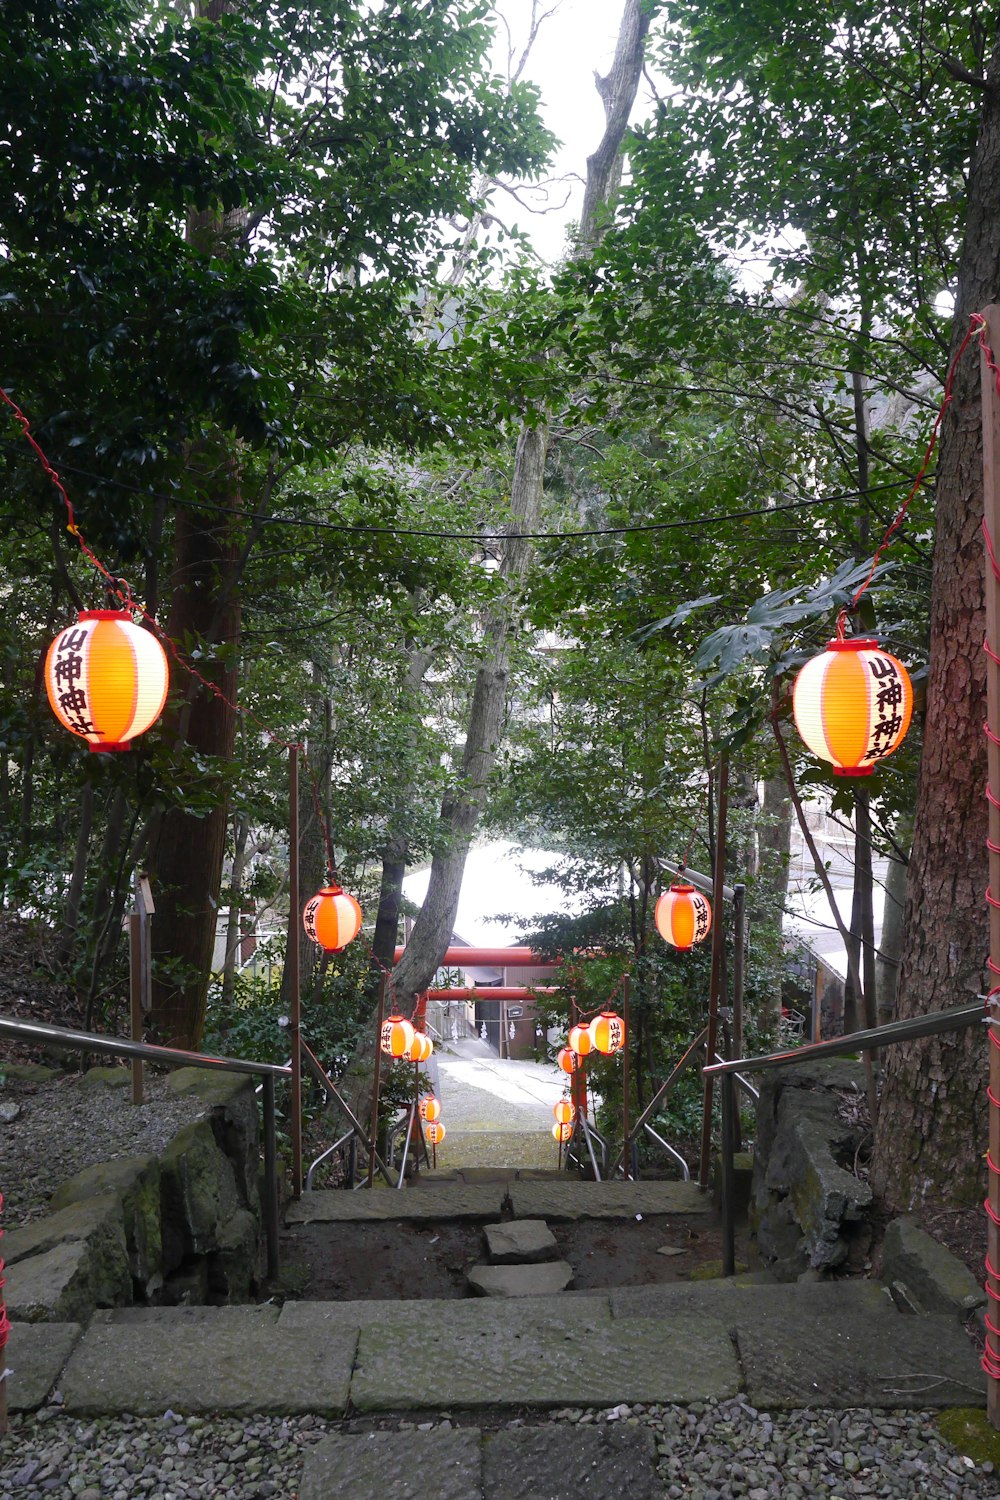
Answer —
931 1024
89 1041
954 1019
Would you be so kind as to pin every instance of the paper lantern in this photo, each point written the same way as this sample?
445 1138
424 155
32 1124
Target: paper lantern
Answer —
332 918
397 1037
852 705
567 1060
564 1112
422 1047
607 1032
429 1108
562 1133
435 1133
683 916
106 678
579 1040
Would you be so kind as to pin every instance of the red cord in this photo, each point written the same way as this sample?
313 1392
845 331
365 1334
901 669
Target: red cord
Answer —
977 325
4 1320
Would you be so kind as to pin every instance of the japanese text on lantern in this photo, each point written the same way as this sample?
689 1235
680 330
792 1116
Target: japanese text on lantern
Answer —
66 672
888 702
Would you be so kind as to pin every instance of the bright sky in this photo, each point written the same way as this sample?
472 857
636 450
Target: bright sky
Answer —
577 38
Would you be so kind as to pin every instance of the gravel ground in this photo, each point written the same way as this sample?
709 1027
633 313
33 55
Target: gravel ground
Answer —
67 1124
717 1451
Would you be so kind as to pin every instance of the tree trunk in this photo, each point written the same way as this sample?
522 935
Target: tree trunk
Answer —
890 950
933 1115
74 896
769 892
241 836
186 849
460 809
461 806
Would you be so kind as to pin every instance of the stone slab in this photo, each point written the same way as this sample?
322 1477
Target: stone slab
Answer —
607 1200
190 1317
236 1361
36 1353
466 1316
440 1200
739 1297
853 1359
519 1242
396 1466
610 1462
577 1360
521 1281
934 1278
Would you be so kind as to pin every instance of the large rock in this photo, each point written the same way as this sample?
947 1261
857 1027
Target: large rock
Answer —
199 1194
135 1180
521 1281
932 1278
808 1210
60 1268
520 1242
232 1100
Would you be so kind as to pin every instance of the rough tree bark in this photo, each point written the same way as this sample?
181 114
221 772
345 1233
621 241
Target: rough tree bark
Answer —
460 810
933 1118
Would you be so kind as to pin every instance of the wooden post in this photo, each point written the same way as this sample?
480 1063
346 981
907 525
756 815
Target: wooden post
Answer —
4 1333
739 963
376 1084
718 930
626 1078
294 977
991 509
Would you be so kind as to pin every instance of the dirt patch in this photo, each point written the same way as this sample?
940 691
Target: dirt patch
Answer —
348 1262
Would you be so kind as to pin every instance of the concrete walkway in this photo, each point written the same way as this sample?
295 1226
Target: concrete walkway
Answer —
497 1113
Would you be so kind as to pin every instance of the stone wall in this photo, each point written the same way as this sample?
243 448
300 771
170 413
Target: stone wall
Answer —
808 1209
181 1227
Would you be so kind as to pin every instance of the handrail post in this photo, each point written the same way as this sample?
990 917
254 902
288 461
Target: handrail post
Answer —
271 1207
715 981
294 977
728 1174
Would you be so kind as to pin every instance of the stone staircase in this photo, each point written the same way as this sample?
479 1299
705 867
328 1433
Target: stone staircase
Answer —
460 1368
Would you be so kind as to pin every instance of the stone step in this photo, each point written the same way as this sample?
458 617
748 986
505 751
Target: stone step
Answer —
531 1198
825 1345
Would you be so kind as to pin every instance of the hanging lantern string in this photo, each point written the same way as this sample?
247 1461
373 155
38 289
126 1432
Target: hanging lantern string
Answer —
121 590
977 325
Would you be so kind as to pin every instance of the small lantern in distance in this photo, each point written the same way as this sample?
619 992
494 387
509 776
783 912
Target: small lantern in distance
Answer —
435 1133
852 705
429 1108
607 1032
422 1047
106 678
562 1132
332 918
396 1039
683 916
564 1112
567 1060
579 1040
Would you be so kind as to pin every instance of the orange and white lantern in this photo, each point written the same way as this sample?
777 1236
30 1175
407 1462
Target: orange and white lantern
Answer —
435 1133
852 705
332 918
106 678
579 1040
564 1112
683 916
567 1060
562 1132
397 1035
422 1047
429 1108
607 1032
